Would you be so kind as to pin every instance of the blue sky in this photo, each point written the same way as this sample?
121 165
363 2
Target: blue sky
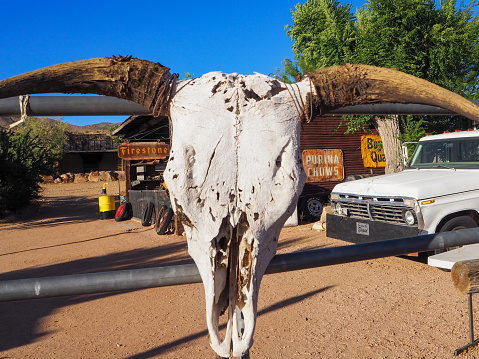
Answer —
186 36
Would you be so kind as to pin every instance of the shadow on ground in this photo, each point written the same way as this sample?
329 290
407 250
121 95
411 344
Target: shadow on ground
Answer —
55 212
163 349
18 320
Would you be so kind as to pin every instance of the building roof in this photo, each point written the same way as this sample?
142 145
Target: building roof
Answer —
134 125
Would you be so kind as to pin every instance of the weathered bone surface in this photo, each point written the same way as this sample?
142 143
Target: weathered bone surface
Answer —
235 169
235 174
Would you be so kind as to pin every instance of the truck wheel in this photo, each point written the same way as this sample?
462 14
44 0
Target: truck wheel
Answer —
164 221
121 213
159 216
124 212
312 208
457 223
146 221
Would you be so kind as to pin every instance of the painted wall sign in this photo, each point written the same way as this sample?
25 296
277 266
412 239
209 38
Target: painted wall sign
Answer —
323 165
143 150
372 151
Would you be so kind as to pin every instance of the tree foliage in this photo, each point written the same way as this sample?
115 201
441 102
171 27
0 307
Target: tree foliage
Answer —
117 139
50 133
437 43
25 154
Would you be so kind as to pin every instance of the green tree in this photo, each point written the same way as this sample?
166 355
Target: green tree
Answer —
117 140
439 44
27 152
23 158
51 134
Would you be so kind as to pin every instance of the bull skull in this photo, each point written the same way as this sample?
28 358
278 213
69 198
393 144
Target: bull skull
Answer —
234 172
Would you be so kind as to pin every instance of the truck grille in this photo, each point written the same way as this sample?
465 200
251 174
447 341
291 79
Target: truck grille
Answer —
386 213
377 210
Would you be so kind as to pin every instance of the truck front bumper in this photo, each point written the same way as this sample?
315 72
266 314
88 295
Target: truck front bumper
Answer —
361 231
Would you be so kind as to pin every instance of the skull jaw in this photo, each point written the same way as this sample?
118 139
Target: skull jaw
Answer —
232 283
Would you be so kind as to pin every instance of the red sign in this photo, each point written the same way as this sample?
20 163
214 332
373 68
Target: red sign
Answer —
323 165
143 150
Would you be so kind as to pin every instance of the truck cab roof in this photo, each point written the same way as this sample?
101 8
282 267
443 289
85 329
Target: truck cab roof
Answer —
451 135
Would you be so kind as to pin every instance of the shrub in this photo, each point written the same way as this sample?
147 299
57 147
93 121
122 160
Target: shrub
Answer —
22 160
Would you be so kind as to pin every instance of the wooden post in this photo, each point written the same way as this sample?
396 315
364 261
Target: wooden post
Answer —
128 179
465 276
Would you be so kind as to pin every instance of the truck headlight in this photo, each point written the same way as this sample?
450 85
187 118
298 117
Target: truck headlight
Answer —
340 210
409 217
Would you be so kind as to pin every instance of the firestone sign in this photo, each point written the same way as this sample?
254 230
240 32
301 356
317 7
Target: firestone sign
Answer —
143 150
323 165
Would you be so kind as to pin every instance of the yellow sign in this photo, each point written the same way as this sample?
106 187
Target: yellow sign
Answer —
323 165
143 150
372 151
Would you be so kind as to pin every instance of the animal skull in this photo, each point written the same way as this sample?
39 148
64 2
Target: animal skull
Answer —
234 172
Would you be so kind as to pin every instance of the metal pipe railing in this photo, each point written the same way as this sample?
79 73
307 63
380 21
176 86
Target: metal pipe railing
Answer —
112 106
34 288
72 106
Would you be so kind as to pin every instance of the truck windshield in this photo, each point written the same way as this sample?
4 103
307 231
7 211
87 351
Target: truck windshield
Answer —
453 153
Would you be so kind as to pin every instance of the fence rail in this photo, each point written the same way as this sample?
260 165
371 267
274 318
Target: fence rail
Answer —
47 287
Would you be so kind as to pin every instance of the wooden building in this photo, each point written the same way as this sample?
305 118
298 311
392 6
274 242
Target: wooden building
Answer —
329 156
144 172
84 153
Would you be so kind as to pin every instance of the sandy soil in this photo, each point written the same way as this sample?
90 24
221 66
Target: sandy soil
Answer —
383 308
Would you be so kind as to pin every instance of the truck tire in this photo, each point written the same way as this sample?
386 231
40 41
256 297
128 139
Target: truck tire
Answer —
312 208
124 212
164 221
146 221
121 213
160 214
457 223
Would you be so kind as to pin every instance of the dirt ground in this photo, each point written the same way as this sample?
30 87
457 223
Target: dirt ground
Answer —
383 308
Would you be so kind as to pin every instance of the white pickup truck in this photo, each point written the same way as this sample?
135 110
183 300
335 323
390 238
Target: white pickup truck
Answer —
438 192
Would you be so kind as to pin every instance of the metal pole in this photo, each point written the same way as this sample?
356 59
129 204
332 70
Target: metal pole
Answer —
472 342
112 106
365 251
98 282
394 109
72 106
471 318
188 273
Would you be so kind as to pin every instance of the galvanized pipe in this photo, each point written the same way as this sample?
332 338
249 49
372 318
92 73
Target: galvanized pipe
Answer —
72 106
112 106
394 109
184 274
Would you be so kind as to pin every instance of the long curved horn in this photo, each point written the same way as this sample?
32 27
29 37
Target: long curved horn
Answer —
137 80
144 82
351 84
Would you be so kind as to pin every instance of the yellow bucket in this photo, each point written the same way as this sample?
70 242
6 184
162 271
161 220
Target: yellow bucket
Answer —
107 204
